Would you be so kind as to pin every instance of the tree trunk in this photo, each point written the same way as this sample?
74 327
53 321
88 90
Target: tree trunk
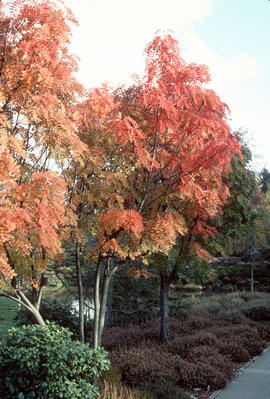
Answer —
108 272
164 319
252 277
97 303
38 317
253 261
24 301
101 295
109 303
80 294
103 307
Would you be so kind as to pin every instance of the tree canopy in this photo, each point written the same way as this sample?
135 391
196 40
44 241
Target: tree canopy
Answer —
143 166
37 95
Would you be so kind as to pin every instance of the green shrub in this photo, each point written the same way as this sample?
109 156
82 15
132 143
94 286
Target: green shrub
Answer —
163 389
43 362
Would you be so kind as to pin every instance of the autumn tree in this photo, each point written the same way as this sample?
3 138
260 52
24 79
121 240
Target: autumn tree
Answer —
153 172
37 95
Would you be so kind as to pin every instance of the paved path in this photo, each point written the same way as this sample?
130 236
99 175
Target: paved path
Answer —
253 382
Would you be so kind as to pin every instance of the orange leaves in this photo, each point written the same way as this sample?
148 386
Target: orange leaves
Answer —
117 230
98 105
200 252
31 214
35 283
156 154
137 273
5 269
37 122
117 220
47 210
164 230
37 85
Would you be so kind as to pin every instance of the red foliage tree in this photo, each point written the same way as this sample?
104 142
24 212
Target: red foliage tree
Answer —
37 95
156 154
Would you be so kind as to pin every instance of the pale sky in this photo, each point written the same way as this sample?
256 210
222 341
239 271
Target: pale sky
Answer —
230 36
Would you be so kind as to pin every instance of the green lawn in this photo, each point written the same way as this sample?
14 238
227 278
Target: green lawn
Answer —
8 309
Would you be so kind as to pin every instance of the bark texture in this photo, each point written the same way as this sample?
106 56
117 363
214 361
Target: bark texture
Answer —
80 294
164 318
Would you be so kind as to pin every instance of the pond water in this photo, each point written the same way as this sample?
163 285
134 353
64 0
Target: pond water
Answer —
88 308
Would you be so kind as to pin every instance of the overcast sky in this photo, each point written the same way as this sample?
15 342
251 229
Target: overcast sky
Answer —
230 36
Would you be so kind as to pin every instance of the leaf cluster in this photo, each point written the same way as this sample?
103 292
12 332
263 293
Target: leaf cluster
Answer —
44 362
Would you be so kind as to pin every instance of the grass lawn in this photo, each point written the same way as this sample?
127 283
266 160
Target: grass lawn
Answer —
7 312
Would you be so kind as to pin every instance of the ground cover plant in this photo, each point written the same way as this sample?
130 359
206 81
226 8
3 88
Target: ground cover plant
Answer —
208 343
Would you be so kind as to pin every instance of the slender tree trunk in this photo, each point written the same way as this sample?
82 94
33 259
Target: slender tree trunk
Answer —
164 319
100 299
253 261
80 293
101 295
104 295
252 277
97 303
109 303
103 307
39 298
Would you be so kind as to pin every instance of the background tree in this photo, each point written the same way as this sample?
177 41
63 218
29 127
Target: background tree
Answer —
264 179
263 224
236 222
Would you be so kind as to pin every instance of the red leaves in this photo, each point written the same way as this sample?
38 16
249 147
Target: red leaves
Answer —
117 219
117 230
5 269
31 214
37 122
156 154
37 84
200 252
